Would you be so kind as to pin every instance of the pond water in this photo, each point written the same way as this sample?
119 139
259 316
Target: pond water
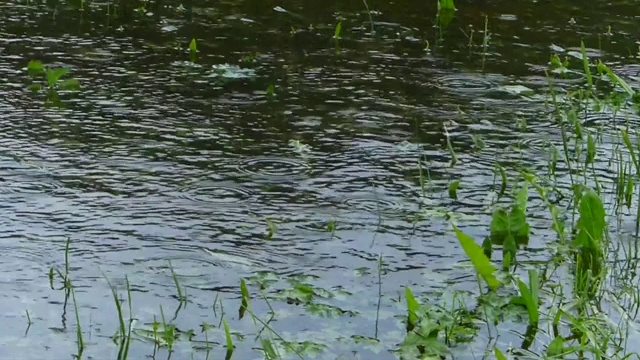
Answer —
159 159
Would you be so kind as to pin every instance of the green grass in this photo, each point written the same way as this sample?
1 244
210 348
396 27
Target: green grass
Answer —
563 303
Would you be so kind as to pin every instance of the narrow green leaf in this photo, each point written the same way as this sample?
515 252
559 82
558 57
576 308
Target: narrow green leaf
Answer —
453 189
591 149
412 309
499 354
532 307
229 341
336 34
269 351
523 197
480 262
244 305
503 185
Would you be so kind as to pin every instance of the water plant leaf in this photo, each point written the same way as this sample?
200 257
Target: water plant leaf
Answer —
453 189
244 305
336 34
228 340
592 220
54 75
503 177
512 223
499 354
35 87
591 149
487 247
530 296
446 5
555 347
509 249
412 309
480 262
269 350
70 84
35 68
522 198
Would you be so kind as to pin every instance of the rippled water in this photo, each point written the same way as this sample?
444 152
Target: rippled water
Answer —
157 159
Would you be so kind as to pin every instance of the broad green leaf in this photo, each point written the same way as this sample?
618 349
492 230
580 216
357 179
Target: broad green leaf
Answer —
446 5
555 347
519 227
54 75
487 247
35 87
592 217
480 262
70 84
499 226
35 68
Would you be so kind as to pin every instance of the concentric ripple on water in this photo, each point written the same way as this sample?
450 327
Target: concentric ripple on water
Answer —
469 83
214 193
274 167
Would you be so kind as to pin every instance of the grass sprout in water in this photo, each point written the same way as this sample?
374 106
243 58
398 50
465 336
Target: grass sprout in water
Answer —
564 303
50 80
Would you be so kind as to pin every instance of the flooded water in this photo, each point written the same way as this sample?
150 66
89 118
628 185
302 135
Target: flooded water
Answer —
158 159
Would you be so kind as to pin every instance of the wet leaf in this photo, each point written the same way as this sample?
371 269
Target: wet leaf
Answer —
336 34
499 354
35 68
412 309
245 299
591 149
453 189
269 350
70 84
35 87
555 347
228 340
480 262
54 75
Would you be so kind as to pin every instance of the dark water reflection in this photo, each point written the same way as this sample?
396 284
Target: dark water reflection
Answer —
158 159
